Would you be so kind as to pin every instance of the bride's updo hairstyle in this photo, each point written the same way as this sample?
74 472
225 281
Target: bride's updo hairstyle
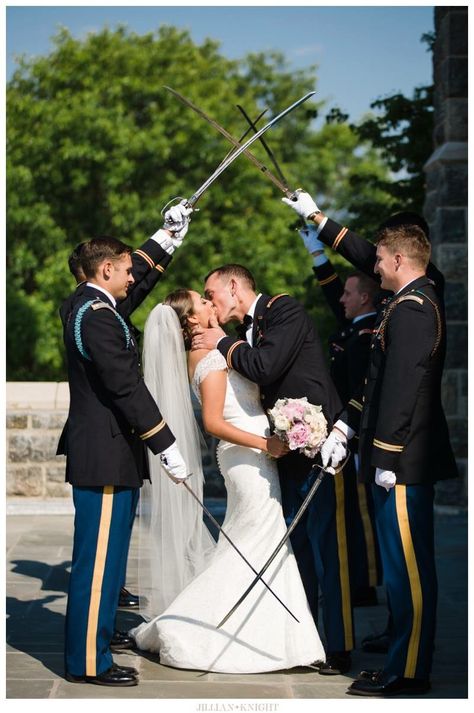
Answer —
180 300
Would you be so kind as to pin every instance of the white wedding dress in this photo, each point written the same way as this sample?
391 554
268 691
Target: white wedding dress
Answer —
260 635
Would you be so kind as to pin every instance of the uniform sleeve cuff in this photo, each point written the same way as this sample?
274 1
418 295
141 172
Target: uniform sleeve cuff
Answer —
164 239
345 429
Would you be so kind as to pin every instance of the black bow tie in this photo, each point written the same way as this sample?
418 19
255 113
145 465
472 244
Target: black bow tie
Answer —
242 328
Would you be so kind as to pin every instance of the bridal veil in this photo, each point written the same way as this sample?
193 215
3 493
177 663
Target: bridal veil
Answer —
174 543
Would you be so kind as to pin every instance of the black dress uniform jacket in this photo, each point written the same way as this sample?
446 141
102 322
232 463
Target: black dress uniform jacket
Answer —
148 265
349 346
399 417
112 415
286 360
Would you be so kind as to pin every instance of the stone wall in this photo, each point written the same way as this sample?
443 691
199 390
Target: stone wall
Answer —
446 213
36 413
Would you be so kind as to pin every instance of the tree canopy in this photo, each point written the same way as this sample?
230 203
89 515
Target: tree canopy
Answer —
96 145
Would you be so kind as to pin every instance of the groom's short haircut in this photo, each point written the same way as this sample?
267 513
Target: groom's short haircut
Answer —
96 250
234 270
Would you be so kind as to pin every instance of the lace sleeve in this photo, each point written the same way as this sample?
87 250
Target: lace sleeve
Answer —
214 361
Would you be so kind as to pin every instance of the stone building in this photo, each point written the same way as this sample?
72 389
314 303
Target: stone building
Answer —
446 213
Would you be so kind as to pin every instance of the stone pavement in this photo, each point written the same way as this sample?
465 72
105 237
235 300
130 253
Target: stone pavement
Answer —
38 557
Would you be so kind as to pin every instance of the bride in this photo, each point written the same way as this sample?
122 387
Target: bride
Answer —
189 581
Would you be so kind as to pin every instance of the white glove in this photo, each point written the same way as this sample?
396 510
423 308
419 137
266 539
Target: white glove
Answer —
173 464
333 450
310 239
385 478
303 204
177 220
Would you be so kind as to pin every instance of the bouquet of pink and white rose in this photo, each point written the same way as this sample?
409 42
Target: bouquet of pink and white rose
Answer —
300 424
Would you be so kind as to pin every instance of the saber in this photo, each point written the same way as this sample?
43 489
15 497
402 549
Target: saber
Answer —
190 202
252 125
271 155
245 133
285 537
214 522
230 138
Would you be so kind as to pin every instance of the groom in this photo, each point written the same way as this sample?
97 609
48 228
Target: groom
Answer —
278 348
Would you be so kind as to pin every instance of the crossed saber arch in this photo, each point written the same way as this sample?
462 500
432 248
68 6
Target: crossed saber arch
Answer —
239 149
282 184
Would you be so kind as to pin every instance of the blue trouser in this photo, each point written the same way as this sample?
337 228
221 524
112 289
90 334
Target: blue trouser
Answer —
320 545
101 536
364 556
404 518
129 536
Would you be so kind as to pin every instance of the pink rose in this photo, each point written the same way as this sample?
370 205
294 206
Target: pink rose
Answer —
298 436
294 410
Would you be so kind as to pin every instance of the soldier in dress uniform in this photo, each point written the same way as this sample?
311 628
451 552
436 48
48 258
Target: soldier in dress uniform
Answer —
112 420
403 434
353 305
150 261
279 349
362 254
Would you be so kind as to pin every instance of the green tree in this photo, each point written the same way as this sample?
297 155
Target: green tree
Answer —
96 145
403 134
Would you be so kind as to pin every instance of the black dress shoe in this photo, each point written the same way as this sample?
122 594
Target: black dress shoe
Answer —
376 644
383 685
127 669
365 597
337 662
127 600
121 640
114 676
369 674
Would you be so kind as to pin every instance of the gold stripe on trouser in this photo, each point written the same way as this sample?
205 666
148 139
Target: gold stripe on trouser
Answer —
368 535
414 578
343 561
97 579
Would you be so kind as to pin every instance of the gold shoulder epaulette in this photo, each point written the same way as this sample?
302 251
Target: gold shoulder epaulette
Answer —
410 297
102 305
272 300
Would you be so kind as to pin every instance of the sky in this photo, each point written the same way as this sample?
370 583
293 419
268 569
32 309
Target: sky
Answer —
362 52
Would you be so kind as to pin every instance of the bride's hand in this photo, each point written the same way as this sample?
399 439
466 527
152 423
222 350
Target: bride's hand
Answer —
276 447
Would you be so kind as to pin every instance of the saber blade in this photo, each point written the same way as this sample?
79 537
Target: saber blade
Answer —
236 143
272 157
224 534
265 146
246 133
290 529
242 148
